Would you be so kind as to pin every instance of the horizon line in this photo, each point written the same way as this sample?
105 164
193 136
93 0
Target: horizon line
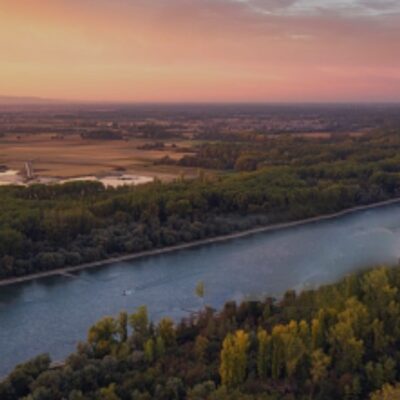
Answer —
36 100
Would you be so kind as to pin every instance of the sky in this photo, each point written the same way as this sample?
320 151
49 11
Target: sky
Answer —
201 50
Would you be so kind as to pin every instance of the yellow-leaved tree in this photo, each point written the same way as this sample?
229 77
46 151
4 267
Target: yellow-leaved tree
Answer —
233 368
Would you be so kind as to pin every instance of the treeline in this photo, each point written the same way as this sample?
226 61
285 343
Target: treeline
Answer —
102 134
47 227
152 146
213 156
249 153
157 131
341 341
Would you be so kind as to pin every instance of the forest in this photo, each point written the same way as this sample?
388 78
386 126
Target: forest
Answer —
43 227
340 341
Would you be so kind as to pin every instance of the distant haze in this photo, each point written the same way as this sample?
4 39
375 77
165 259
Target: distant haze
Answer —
201 50
24 100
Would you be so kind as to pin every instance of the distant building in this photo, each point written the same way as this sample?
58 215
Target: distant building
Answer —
29 170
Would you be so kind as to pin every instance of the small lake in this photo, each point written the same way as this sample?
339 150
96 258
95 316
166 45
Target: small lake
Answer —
53 314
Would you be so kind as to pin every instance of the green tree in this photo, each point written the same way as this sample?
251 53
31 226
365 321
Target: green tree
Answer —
263 354
278 351
103 336
123 326
149 350
109 393
200 347
319 368
166 331
139 322
160 346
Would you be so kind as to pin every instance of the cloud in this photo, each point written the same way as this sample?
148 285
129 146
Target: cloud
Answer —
345 8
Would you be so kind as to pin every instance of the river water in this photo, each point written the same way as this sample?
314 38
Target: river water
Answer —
53 314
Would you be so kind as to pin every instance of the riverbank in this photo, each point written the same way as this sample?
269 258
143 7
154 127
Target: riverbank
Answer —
235 235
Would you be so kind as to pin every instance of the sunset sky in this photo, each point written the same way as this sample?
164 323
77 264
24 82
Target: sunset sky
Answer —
201 50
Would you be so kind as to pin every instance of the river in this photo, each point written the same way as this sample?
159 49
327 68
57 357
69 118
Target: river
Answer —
52 314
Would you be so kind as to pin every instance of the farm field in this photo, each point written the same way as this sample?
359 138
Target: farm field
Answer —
73 156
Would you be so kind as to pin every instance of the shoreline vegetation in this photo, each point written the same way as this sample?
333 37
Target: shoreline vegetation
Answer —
252 173
52 229
340 341
196 243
